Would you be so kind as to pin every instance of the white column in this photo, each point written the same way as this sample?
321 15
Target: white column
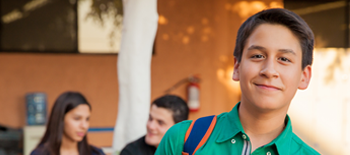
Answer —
134 63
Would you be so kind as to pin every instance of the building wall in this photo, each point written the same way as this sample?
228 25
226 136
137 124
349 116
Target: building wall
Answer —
93 75
194 37
323 110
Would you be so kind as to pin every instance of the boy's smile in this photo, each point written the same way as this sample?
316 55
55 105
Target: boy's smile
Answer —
270 70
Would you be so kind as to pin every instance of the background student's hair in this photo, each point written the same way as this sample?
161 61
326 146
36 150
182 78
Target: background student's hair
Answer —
51 142
283 17
175 104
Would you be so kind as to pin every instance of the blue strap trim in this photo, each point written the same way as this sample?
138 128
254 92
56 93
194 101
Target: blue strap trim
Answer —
199 129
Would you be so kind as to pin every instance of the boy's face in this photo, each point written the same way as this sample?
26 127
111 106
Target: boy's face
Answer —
159 121
270 70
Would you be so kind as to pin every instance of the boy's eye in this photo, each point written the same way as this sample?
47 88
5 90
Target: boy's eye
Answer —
284 59
160 123
257 56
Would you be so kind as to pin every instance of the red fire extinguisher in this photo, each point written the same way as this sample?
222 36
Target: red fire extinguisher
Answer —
193 93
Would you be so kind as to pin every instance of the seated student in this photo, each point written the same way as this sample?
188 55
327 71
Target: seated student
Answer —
164 113
273 57
67 128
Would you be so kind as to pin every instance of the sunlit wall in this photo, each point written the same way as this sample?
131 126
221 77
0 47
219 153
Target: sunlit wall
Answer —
321 114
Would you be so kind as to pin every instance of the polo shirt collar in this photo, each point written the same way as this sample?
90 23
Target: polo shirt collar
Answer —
233 126
284 140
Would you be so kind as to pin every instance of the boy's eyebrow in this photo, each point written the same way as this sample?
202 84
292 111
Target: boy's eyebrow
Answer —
255 47
260 48
287 51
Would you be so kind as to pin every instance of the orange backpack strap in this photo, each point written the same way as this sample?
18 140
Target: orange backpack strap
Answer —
198 133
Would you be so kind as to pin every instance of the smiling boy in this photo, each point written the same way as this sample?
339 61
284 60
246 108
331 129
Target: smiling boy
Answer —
165 112
272 59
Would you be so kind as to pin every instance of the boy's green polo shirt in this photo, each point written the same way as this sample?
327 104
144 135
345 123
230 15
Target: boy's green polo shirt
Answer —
228 137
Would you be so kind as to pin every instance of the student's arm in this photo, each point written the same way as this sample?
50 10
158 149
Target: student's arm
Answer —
96 151
125 152
173 141
34 153
129 149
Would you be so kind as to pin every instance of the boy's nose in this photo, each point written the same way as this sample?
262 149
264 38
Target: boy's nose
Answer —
269 69
151 124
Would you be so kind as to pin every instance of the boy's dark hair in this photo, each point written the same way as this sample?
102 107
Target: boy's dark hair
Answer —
175 104
282 17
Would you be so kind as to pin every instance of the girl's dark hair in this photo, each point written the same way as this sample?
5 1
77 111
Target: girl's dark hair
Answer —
51 142
282 17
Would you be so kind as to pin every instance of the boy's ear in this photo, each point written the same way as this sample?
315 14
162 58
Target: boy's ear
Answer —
305 78
235 75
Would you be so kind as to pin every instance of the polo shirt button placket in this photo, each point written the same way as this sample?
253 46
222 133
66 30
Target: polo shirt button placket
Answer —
233 141
268 153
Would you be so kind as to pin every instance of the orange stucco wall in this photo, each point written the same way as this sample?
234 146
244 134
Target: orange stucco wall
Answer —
194 37
93 75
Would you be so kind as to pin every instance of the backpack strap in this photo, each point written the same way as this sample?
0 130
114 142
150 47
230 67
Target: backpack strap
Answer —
198 133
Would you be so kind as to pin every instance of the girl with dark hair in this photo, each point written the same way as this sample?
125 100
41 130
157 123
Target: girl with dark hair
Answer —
67 127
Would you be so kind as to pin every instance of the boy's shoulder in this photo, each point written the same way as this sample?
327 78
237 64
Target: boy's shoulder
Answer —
96 151
180 127
303 147
173 140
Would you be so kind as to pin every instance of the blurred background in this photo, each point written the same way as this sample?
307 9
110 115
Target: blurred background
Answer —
50 46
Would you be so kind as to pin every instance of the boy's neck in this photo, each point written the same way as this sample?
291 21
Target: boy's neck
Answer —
261 127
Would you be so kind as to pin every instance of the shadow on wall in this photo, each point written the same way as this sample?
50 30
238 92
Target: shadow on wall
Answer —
205 31
244 9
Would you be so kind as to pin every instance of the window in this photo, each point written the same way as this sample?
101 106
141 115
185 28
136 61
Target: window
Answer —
328 19
60 26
